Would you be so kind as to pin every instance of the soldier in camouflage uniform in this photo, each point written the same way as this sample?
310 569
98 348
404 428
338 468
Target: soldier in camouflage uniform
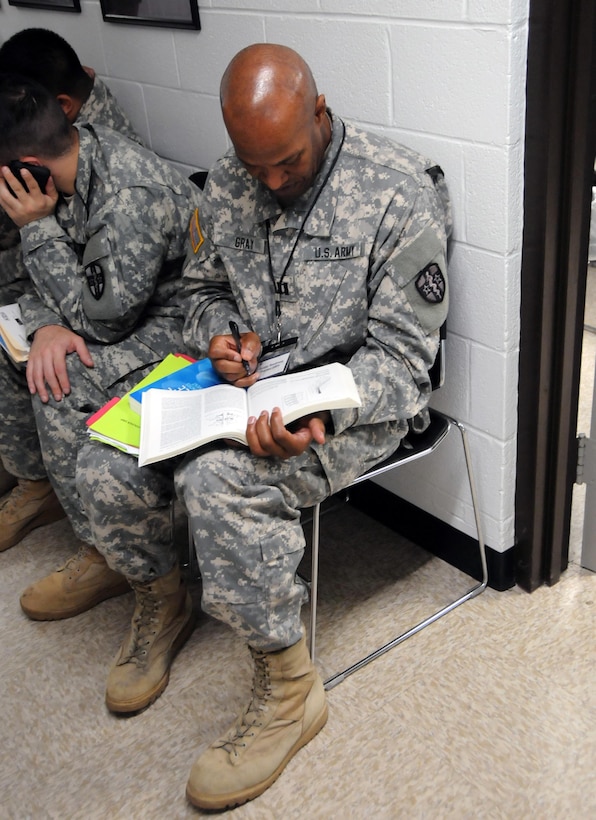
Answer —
44 56
105 257
332 240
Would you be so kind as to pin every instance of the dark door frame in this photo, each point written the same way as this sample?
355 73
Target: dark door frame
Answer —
559 160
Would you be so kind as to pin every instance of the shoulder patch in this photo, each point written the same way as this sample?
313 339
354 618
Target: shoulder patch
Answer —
95 280
430 283
196 235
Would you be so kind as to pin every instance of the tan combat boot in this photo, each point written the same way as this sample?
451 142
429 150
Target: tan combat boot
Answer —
31 504
84 581
286 710
162 622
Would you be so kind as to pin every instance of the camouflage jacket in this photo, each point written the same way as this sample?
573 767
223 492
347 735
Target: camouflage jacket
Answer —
107 263
100 108
361 257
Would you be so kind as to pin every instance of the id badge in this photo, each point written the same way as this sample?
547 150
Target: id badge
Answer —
275 357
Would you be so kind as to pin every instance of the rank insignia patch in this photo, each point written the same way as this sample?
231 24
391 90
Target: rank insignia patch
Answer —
430 283
95 280
196 236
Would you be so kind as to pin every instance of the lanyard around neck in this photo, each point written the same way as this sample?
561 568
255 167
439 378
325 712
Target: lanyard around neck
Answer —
277 284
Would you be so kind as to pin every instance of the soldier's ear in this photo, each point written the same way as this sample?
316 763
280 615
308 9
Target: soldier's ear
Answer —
69 105
320 107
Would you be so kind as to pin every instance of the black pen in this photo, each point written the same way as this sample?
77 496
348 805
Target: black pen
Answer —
238 340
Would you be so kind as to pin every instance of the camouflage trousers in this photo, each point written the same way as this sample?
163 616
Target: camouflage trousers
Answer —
20 452
39 440
19 444
245 517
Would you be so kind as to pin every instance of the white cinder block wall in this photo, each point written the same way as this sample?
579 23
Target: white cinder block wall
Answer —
446 77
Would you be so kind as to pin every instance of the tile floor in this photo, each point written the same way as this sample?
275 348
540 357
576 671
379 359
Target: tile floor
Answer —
489 713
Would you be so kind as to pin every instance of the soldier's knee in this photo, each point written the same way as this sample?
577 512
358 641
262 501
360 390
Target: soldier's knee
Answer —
220 470
88 457
98 468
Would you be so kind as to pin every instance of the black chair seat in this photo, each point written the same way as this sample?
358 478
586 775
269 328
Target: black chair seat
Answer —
413 446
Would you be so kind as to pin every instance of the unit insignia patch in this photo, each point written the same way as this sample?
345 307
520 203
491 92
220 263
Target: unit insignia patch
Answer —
430 283
196 235
95 280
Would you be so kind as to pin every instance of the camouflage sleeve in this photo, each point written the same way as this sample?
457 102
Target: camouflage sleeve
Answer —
206 288
101 290
11 261
408 303
11 265
9 233
35 314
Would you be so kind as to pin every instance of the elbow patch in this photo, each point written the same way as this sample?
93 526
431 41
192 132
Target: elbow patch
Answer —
101 290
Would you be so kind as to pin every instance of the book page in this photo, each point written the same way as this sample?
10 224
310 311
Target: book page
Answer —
12 326
13 332
173 422
298 394
113 442
224 412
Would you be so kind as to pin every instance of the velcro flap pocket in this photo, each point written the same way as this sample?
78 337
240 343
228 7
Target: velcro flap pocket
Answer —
422 274
101 290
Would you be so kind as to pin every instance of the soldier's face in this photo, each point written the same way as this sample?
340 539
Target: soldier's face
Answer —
285 159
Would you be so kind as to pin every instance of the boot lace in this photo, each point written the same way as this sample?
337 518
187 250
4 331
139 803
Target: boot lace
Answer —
12 501
144 627
252 718
74 562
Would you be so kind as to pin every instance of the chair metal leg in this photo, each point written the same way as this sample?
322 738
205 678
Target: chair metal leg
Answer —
334 680
314 582
187 557
191 541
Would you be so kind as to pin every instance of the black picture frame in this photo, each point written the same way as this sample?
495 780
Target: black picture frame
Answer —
164 13
50 5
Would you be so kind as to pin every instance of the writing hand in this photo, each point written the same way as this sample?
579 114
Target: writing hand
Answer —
26 207
268 437
46 367
230 363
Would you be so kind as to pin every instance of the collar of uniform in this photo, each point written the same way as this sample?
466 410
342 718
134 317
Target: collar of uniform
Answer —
91 161
266 207
84 165
322 213
71 211
96 97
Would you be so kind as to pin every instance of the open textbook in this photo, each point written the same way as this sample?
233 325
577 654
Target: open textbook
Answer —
12 333
174 422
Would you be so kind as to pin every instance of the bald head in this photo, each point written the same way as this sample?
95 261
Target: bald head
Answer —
275 118
266 80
